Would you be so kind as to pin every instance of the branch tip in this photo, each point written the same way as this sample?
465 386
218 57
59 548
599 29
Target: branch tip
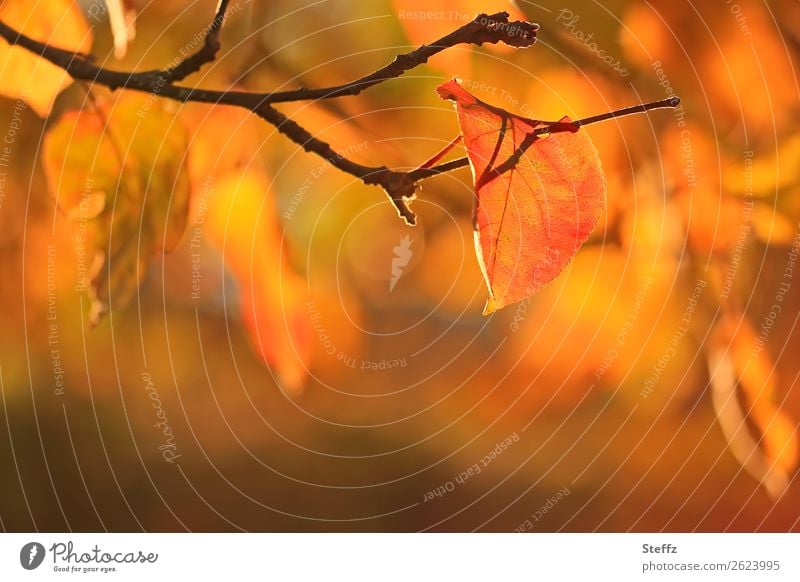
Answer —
496 28
400 187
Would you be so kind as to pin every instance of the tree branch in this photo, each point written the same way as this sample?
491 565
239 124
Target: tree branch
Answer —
399 186
483 29
206 54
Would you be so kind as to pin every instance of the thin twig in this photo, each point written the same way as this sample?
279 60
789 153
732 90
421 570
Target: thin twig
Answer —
399 186
483 29
206 54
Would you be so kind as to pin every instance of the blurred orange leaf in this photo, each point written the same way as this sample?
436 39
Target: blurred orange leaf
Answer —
771 226
118 170
223 138
765 174
740 365
26 76
241 222
537 197
692 159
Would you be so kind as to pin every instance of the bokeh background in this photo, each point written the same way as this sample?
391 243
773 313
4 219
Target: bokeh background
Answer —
652 386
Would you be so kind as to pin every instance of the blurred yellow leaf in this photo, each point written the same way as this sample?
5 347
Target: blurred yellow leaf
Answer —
119 172
82 164
650 229
764 175
26 76
771 226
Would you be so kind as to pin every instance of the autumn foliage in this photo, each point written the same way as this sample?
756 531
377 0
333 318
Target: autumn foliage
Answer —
621 295
537 197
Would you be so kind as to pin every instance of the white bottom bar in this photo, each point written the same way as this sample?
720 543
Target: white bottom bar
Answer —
401 557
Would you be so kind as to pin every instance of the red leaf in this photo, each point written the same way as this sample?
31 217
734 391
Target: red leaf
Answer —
538 197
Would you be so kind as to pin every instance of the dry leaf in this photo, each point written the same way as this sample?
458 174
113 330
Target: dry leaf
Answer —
537 197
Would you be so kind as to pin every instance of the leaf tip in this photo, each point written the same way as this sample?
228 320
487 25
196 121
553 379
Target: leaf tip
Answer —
97 313
291 382
448 89
490 307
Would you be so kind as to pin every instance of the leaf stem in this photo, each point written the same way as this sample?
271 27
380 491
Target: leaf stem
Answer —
442 153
